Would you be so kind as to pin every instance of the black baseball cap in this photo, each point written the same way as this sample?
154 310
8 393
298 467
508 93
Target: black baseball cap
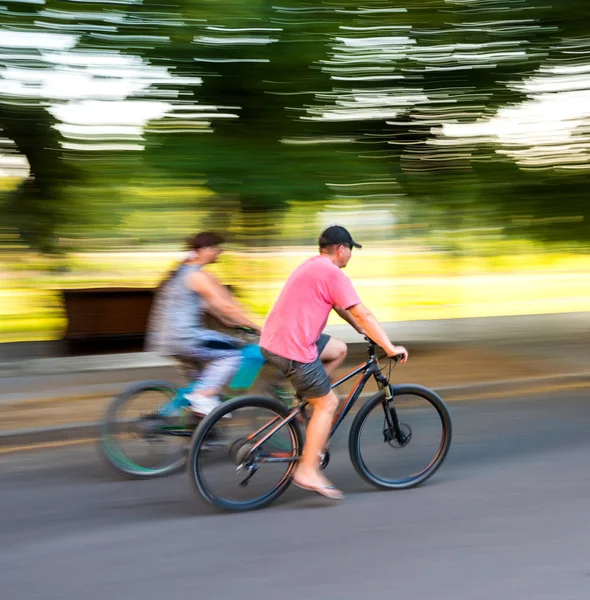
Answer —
335 235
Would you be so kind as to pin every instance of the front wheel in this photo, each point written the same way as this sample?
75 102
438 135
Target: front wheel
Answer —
227 468
400 443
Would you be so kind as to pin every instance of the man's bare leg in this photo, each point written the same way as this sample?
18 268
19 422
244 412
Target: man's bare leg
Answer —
333 355
308 473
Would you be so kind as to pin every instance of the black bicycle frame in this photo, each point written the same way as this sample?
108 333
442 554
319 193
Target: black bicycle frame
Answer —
369 369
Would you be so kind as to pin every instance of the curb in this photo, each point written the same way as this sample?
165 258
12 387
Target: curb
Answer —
123 362
515 385
472 391
43 435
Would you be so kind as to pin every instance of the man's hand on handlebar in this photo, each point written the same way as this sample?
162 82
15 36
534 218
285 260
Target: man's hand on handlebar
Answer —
398 353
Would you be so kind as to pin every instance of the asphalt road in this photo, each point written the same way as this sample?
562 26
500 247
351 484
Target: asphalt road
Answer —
505 517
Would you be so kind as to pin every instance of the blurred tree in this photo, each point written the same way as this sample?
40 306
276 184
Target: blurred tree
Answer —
55 198
247 137
39 203
267 104
403 72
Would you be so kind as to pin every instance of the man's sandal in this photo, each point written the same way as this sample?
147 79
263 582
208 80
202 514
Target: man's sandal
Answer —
327 491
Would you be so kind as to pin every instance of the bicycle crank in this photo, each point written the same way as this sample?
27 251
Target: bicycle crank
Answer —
251 468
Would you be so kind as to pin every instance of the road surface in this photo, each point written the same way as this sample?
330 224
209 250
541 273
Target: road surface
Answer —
505 517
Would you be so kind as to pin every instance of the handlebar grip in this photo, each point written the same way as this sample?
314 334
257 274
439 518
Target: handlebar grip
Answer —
246 329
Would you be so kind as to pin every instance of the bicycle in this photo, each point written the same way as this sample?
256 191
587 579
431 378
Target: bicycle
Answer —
145 430
277 439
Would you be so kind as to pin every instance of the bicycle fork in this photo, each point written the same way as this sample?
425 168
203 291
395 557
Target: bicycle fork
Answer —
391 430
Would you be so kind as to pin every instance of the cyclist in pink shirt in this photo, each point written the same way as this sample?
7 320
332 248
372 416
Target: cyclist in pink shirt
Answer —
293 341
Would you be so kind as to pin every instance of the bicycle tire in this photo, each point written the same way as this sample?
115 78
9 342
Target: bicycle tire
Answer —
420 477
203 430
111 452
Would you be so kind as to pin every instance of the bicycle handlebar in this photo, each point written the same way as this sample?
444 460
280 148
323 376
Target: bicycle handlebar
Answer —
372 346
245 329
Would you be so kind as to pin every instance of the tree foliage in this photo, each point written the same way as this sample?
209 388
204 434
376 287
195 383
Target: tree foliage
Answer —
267 104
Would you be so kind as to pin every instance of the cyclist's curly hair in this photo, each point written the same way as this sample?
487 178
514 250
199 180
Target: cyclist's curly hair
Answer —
204 239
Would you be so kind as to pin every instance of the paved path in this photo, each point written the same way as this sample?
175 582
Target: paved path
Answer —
506 517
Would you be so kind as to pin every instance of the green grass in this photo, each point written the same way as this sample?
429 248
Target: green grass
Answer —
397 287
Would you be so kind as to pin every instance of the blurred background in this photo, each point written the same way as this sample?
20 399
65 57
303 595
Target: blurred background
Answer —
451 136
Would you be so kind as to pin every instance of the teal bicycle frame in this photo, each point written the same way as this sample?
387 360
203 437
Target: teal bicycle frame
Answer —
250 367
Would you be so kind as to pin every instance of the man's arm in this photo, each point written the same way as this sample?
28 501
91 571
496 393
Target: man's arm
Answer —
345 315
366 319
219 299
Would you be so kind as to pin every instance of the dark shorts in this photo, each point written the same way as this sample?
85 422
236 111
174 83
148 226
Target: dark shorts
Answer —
310 380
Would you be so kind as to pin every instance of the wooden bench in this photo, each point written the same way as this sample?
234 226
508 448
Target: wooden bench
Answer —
112 318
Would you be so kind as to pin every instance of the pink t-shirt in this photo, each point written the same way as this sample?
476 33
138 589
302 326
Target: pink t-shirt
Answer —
301 311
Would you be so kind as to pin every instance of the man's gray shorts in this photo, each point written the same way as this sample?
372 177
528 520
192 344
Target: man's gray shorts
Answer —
310 380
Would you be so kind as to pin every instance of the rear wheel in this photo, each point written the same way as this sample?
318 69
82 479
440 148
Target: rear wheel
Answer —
228 472
136 441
